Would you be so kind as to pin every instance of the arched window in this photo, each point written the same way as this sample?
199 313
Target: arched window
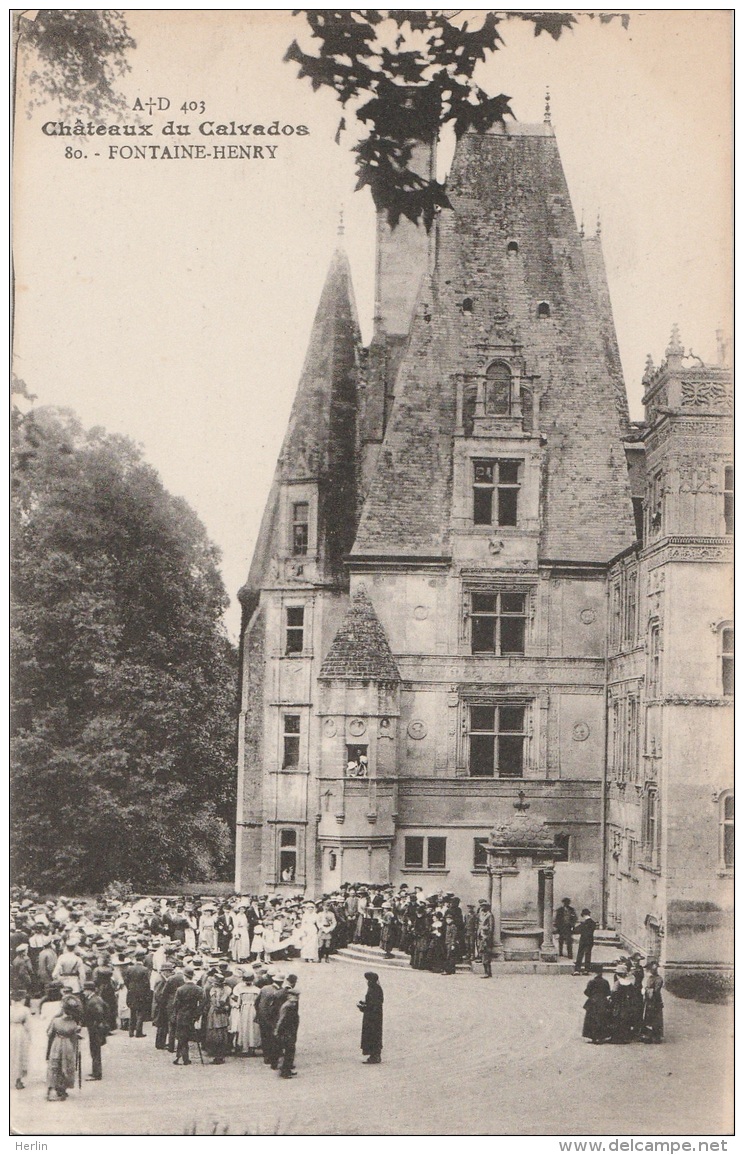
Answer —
543 310
726 823
497 401
512 248
467 304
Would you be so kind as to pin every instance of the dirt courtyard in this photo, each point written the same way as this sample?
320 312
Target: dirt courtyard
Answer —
461 1055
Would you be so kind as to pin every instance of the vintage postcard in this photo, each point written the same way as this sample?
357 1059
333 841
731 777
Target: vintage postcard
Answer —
372 497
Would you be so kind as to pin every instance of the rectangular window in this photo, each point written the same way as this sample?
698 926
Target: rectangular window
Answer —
651 831
287 855
728 498
498 622
727 661
495 492
727 831
483 487
655 506
436 853
300 528
562 844
654 661
496 739
631 607
480 858
295 629
632 740
615 615
356 762
291 756
414 851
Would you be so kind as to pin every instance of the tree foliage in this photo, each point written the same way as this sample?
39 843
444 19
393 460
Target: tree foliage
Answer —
76 57
123 680
408 73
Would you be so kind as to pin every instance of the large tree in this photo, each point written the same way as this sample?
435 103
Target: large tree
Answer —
123 679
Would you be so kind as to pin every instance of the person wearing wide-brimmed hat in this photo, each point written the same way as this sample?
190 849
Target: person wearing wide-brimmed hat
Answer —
371 1008
622 999
653 1006
20 1038
63 1035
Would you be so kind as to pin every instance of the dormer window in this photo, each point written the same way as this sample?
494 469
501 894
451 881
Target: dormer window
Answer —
495 492
543 310
497 393
300 528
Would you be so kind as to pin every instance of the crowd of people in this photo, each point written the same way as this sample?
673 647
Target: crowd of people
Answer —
210 975
631 1010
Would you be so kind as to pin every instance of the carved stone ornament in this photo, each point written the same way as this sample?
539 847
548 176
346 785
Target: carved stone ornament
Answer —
580 732
416 729
587 616
329 728
421 613
495 545
357 726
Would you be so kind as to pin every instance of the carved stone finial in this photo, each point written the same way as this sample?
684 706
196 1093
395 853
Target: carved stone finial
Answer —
649 370
341 221
675 347
599 225
546 118
581 226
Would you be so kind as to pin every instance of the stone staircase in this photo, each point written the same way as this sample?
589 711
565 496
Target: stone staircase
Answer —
606 949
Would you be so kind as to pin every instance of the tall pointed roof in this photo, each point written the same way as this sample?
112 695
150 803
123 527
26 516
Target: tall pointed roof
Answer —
326 395
320 441
507 187
360 649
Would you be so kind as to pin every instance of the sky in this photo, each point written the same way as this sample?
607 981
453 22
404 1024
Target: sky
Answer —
172 300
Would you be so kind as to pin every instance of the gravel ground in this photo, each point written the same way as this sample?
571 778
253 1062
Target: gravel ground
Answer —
461 1056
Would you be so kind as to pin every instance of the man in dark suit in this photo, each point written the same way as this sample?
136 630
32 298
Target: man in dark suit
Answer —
587 927
563 925
139 995
96 1020
174 980
285 1032
188 1006
267 1012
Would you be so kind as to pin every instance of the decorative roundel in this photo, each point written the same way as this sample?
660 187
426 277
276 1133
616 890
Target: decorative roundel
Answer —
329 728
384 723
416 729
580 732
421 613
357 726
587 616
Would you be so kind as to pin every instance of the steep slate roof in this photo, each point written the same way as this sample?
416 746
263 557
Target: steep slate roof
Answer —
360 649
508 186
319 444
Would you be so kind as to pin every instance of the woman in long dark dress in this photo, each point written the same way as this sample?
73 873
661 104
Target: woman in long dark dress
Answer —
371 1007
653 1006
597 1008
622 1005
62 1051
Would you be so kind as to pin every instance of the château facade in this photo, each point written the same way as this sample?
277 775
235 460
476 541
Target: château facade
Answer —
478 583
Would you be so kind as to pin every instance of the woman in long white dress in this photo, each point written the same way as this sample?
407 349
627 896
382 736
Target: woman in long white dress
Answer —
245 994
207 933
241 938
257 942
20 1039
189 931
308 935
